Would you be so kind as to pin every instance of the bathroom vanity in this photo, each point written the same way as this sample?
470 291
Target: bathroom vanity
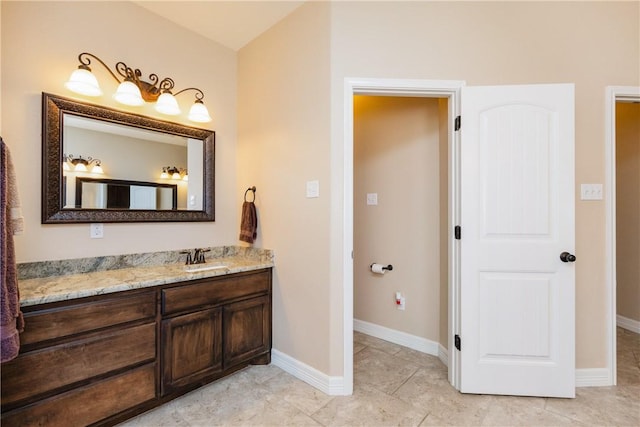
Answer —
105 357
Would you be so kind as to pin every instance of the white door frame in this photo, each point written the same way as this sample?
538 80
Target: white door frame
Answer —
613 94
408 88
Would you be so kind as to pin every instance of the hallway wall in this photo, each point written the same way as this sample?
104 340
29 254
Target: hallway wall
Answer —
628 210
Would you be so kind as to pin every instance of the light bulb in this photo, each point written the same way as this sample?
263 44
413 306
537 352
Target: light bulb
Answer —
83 81
199 113
128 94
167 104
97 169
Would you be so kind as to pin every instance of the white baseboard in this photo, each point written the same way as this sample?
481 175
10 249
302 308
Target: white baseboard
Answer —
397 337
628 324
333 386
443 355
595 377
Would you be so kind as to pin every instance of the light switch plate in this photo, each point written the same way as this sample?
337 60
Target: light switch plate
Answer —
313 189
591 191
372 199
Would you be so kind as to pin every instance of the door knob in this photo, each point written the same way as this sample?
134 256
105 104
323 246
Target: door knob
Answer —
567 257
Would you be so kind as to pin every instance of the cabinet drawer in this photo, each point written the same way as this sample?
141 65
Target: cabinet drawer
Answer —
214 291
37 372
90 404
72 319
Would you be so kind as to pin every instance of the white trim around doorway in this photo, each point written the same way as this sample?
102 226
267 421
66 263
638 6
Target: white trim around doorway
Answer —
613 94
450 89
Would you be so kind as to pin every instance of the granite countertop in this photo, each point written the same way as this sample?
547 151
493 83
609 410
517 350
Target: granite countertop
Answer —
52 281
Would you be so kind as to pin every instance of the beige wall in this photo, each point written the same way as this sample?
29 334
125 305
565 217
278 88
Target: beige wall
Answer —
40 45
397 156
628 209
283 140
593 44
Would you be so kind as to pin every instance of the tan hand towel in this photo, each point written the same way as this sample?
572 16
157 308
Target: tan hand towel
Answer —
249 222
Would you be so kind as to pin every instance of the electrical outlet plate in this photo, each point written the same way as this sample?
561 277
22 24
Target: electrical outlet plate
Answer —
372 199
400 301
96 231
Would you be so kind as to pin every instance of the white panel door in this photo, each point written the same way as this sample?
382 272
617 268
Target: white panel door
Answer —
517 217
142 197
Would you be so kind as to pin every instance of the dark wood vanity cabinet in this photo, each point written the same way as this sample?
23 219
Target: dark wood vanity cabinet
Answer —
213 326
103 359
82 361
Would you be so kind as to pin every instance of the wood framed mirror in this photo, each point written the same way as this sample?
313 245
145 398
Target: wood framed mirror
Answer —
127 147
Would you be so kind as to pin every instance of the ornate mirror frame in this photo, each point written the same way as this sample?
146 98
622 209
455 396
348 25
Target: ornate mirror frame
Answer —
53 212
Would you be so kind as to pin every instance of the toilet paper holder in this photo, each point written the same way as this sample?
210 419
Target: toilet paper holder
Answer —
388 267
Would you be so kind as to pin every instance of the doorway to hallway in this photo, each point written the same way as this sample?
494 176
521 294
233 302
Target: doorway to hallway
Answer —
622 231
401 219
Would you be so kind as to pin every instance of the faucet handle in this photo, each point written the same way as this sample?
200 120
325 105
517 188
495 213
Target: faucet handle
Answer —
188 254
202 252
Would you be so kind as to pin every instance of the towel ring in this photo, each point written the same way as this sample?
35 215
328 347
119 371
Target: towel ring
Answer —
253 190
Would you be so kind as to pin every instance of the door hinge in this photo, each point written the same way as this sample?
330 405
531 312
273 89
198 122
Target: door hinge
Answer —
458 342
457 232
457 123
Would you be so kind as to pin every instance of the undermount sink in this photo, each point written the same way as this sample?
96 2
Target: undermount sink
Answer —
203 267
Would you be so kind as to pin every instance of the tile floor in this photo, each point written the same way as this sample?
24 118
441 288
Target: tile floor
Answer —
395 385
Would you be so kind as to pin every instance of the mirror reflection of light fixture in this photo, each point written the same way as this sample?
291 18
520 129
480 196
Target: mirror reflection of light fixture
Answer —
133 91
81 164
174 173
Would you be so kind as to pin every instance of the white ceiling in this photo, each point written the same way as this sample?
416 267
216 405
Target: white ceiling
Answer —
232 23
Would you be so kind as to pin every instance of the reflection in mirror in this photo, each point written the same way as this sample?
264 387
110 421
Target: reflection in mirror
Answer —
104 165
99 193
132 154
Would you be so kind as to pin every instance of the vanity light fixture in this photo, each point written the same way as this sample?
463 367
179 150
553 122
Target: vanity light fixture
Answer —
82 165
133 91
174 173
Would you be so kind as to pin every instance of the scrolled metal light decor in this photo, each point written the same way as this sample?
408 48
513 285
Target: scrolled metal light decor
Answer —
134 91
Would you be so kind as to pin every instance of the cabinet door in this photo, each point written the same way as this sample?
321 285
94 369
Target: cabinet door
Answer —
192 348
247 330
